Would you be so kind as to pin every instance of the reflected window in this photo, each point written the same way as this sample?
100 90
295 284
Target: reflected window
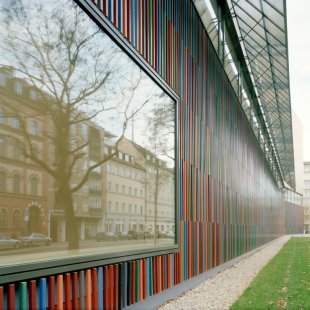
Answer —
17 150
33 95
18 87
16 123
16 219
2 147
2 117
2 80
34 186
121 171
16 184
3 218
35 152
34 128
2 181
85 129
108 167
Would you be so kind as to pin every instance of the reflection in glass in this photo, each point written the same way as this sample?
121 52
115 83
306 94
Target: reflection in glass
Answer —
86 138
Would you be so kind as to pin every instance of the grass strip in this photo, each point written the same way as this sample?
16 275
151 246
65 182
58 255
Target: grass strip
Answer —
284 283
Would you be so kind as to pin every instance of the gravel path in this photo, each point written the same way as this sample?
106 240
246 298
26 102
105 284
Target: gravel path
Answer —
222 290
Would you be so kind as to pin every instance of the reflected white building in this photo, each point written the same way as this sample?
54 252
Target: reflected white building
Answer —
137 199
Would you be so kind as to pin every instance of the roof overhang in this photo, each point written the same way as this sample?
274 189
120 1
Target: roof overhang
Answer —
260 42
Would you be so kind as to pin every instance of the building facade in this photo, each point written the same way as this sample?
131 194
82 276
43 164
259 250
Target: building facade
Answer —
229 179
306 198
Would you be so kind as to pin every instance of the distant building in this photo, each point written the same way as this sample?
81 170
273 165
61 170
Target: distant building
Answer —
159 187
136 199
306 200
125 197
298 152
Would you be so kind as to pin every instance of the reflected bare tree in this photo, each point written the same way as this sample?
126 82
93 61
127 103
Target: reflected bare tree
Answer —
80 77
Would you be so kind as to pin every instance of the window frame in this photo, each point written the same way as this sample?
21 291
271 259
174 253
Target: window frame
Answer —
68 264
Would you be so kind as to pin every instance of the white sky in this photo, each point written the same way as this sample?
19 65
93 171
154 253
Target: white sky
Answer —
299 62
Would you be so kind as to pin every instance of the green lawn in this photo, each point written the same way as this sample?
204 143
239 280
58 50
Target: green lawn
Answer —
284 283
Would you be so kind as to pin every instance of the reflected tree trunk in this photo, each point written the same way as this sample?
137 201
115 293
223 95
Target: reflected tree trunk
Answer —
64 197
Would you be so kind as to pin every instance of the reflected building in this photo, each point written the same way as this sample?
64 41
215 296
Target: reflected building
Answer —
140 191
132 191
125 199
24 186
159 193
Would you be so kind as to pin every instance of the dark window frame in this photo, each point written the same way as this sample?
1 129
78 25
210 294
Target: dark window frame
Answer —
45 268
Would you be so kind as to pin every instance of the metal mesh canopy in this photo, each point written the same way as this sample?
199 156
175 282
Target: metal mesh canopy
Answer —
261 27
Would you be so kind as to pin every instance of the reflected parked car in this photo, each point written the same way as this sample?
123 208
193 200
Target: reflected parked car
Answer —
136 234
170 234
106 236
161 234
149 235
124 236
8 243
36 239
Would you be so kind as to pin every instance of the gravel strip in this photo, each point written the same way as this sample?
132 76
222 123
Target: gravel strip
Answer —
222 290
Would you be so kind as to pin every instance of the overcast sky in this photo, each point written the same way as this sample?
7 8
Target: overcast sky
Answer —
299 62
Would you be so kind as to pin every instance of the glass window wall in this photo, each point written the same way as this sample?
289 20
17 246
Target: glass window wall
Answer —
89 121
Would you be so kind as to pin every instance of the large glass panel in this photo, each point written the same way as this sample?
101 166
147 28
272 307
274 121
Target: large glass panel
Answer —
96 137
